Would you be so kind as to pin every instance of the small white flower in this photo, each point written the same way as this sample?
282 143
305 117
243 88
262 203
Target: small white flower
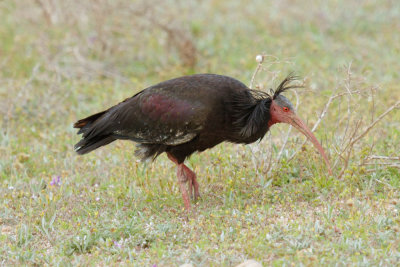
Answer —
11 187
259 58
97 199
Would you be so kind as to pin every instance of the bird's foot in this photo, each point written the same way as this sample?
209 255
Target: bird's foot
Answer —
184 175
193 185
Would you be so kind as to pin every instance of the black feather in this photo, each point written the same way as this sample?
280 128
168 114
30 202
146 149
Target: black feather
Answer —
149 151
90 143
285 85
86 145
250 111
86 123
251 108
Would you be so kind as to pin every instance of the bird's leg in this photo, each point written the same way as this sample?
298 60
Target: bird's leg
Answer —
193 184
188 179
182 179
184 175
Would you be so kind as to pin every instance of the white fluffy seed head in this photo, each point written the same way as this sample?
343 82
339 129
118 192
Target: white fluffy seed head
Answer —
259 58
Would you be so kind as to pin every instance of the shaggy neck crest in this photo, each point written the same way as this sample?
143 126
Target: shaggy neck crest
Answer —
251 111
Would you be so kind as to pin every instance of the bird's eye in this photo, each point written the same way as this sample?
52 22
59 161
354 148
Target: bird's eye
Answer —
286 109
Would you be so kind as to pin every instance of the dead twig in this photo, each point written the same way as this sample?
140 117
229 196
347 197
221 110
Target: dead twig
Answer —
383 157
320 117
384 183
383 163
47 13
348 154
260 59
287 133
366 130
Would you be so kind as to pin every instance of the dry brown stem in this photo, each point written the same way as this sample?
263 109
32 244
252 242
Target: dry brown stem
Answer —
366 130
383 157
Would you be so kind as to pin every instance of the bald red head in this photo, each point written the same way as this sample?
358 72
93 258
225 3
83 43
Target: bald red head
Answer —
282 111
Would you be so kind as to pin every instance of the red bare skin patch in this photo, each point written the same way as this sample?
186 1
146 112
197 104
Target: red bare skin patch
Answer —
273 111
166 109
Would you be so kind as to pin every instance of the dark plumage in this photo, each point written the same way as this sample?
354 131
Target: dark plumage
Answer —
185 115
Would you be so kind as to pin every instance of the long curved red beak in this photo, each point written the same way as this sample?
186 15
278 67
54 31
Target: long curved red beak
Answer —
302 127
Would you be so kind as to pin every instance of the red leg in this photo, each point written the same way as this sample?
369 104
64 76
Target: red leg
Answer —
184 175
193 184
182 179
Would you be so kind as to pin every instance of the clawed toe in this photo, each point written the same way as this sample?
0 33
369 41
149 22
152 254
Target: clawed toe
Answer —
184 175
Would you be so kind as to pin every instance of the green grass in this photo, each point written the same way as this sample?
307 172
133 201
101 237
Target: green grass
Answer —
112 210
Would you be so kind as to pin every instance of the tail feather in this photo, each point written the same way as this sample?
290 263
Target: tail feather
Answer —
89 143
86 145
86 123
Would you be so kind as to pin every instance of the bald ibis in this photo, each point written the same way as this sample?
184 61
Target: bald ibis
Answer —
189 114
